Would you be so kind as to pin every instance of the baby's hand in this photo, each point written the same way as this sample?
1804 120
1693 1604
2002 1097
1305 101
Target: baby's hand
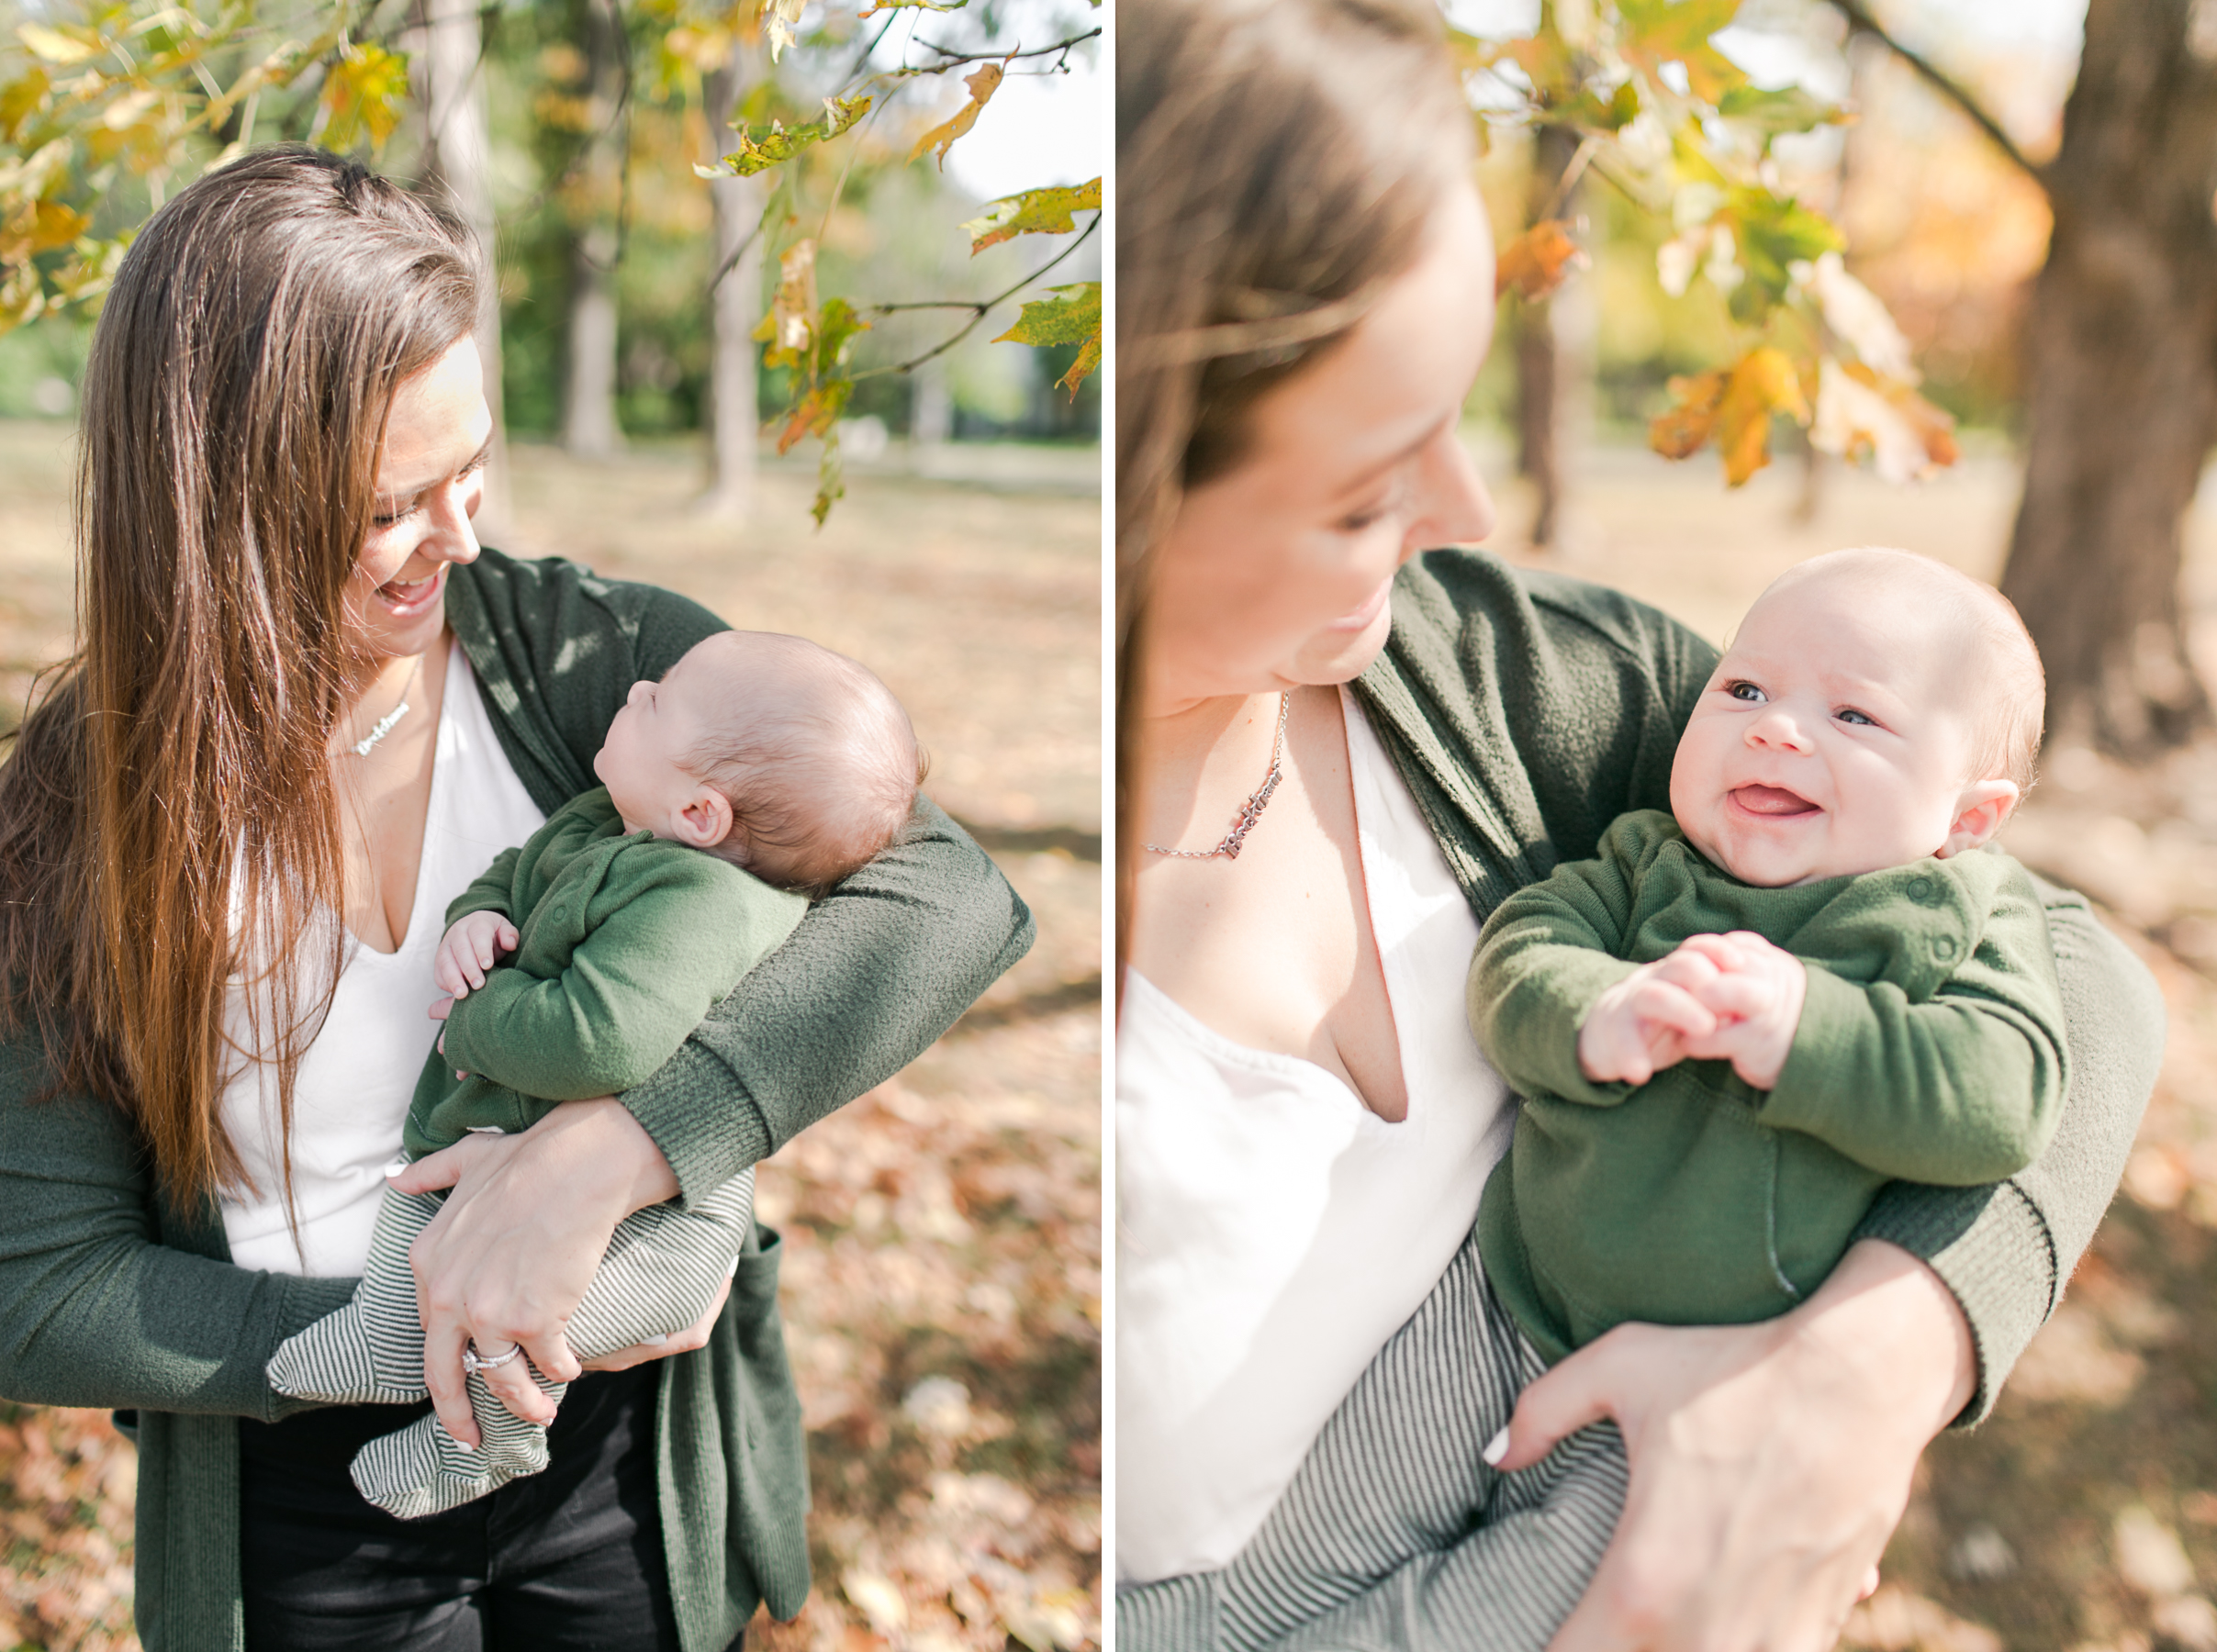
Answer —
467 951
1646 1021
1755 993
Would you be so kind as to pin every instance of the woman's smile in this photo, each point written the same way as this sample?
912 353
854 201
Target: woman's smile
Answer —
406 598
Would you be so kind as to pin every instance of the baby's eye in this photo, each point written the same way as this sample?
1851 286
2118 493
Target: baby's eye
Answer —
1848 714
1749 692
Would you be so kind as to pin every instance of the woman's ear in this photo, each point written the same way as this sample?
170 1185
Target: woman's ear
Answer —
1979 812
705 821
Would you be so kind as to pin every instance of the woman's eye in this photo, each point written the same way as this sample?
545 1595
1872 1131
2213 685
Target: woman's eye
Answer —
386 518
1370 516
1745 691
1848 714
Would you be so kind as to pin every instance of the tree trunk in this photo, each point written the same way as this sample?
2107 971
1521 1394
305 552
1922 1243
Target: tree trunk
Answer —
2122 351
444 47
589 391
735 302
1545 365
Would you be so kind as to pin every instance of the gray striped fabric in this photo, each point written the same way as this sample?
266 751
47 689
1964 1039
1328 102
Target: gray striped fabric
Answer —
1394 1534
663 1267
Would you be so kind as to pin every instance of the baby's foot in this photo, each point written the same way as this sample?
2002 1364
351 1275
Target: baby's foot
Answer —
340 1359
422 1469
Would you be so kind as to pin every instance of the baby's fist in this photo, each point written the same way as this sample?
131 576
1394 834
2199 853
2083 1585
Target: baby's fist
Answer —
1756 995
470 948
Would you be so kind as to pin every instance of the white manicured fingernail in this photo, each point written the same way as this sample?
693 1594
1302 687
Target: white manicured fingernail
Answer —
657 1339
1497 1448
733 1271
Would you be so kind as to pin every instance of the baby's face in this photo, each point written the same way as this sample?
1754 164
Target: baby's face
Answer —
641 761
1833 737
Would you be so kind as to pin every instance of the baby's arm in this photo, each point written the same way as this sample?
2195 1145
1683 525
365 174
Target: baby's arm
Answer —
1545 962
1962 1088
634 986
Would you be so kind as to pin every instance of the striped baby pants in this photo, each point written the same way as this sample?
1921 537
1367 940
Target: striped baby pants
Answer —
1394 1537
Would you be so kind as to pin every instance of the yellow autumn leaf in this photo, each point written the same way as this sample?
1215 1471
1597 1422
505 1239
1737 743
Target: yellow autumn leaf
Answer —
1032 212
53 45
363 93
1073 319
1536 262
982 85
1865 415
791 324
1732 406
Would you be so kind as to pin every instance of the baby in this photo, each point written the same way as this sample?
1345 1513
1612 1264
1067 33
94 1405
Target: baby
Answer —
1734 1026
1730 1029
757 773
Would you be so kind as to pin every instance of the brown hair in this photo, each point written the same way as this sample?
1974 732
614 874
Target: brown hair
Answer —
1277 163
177 771
817 759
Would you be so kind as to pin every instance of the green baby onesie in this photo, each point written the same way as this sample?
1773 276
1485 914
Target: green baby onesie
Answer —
625 941
1930 1049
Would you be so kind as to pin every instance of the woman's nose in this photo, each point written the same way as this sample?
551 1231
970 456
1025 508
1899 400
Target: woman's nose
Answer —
453 537
1453 506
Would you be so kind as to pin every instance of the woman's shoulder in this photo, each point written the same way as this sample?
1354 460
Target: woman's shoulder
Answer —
550 598
1461 596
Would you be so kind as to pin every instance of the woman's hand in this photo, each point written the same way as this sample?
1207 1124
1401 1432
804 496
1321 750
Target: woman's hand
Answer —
1769 1462
508 1257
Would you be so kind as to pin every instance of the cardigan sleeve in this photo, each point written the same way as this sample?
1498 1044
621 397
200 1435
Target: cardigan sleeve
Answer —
94 1308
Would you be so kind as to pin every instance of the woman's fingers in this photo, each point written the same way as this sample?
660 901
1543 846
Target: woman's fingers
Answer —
511 1383
1573 1394
443 1375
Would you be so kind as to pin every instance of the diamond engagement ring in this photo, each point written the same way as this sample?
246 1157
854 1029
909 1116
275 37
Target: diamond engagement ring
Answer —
472 1362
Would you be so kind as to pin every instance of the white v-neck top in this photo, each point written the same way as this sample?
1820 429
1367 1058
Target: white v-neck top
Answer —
352 1093
1271 1231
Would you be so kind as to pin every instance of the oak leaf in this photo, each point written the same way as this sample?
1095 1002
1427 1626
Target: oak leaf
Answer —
1539 261
1865 415
1733 406
1032 212
1075 320
1661 31
982 85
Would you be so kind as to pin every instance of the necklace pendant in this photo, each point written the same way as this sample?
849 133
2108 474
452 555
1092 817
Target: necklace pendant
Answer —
384 727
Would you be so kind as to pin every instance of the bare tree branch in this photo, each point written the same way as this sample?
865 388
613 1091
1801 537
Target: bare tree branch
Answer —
978 306
953 58
1858 14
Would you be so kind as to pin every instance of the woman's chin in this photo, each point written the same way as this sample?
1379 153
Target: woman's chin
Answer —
1340 655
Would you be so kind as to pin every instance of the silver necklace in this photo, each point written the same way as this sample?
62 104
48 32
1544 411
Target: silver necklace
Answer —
386 724
1249 811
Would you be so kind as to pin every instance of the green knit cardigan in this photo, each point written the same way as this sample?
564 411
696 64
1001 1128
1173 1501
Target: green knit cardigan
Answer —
1526 711
113 1295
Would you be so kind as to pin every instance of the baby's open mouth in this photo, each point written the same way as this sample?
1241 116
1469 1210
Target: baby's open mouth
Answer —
1773 800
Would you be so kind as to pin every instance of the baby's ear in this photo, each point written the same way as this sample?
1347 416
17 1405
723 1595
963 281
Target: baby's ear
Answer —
705 821
1979 812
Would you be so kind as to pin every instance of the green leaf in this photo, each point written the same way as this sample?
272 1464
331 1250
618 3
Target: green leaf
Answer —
763 147
1787 109
1034 212
1075 320
835 326
1773 232
1662 31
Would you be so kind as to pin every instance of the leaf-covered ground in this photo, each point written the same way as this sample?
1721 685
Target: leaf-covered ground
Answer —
942 1282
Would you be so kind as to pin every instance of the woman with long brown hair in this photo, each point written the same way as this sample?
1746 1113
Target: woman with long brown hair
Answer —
1398 735
306 709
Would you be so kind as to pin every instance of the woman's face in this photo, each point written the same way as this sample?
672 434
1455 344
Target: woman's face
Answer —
429 484
1277 573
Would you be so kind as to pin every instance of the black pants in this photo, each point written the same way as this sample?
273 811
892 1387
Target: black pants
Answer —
570 1558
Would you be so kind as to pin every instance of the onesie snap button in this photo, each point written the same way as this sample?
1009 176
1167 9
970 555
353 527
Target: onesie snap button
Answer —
1943 947
560 908
1920 891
